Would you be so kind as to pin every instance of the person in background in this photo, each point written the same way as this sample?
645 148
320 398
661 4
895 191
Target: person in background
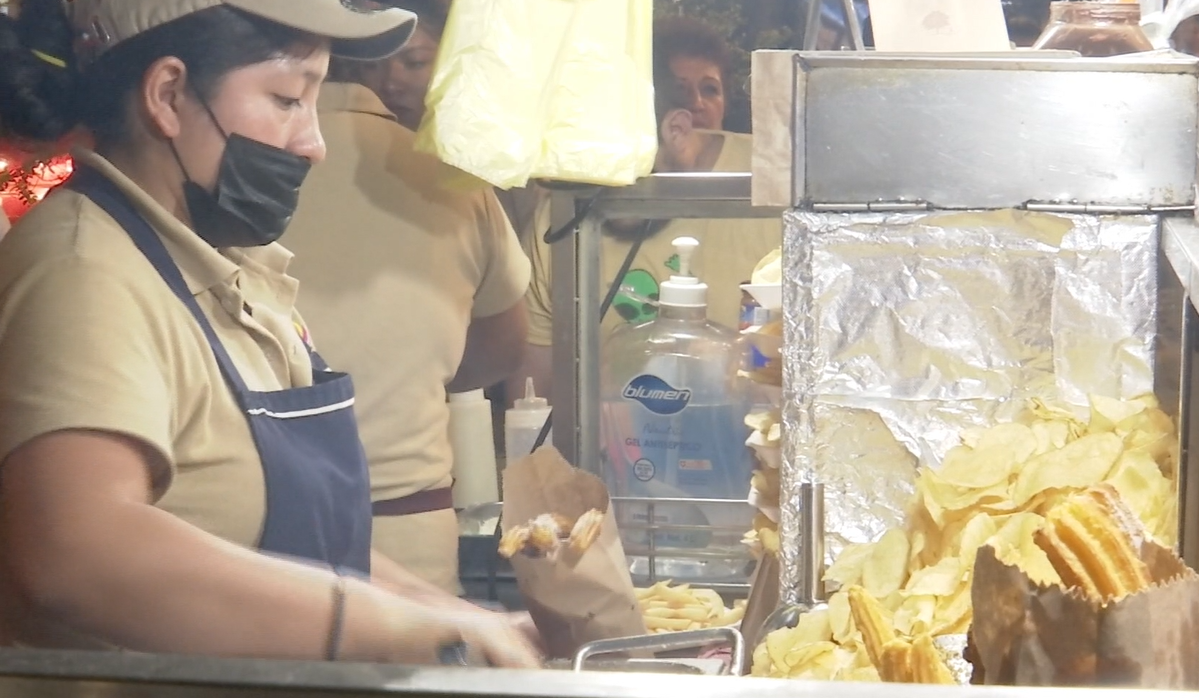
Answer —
402 81
697 63
402 84
180 472
414 290
728 252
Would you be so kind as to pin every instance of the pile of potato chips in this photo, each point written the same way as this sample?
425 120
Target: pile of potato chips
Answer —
993 489
766 442
669 609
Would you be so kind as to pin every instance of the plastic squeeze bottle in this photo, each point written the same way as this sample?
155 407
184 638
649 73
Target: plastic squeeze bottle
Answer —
673 411
523 423
476 478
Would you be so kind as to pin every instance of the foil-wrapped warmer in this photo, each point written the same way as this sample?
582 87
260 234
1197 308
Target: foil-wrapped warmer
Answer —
903 329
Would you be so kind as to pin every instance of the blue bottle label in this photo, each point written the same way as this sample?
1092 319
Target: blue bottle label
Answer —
689 450
656 395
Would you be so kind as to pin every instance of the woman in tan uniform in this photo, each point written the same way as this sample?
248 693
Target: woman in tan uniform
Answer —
440 274
415 290
179 470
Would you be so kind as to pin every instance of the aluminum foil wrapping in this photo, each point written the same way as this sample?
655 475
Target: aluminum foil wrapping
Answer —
901 330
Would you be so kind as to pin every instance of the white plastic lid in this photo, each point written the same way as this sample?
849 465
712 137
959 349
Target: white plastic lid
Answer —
530 401
683 290
468 396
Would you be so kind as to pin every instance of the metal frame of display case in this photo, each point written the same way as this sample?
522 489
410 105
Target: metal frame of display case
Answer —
1177 351
577 286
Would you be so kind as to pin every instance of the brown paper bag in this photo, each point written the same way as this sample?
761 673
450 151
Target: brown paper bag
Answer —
578 600
1026 635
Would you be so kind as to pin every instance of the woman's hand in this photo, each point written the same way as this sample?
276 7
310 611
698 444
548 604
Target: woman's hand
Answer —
523 623
418 632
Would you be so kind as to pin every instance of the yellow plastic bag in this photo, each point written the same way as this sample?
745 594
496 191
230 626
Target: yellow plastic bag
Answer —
547 89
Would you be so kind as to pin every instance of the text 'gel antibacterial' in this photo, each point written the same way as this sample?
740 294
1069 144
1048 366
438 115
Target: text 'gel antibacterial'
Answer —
673 425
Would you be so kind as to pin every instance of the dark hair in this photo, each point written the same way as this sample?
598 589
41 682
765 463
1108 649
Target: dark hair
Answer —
431 15
680 35
40 100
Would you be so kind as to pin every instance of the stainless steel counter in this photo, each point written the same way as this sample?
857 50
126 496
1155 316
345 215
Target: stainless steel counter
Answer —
26 674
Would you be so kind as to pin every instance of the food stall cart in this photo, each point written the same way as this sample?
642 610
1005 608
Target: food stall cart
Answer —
1110 141
92 675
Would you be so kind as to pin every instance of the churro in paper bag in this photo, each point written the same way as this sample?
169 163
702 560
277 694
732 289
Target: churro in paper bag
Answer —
1030 635
574 599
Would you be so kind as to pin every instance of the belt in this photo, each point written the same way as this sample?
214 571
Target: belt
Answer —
421 502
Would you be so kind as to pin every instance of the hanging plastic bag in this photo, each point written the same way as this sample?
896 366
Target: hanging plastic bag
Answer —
547 89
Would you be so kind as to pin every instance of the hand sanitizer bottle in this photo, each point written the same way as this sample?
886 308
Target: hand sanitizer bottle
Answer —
673 422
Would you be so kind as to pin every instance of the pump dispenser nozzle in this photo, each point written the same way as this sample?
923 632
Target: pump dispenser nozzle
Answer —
684 290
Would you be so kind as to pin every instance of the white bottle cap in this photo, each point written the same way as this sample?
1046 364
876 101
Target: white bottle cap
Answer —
683 290
468 396
530 401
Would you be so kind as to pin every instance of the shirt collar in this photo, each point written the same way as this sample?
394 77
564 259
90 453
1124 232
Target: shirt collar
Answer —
202 265
351 97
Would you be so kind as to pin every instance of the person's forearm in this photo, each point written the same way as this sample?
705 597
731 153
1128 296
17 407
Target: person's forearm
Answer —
392 577
473 374
481 368
148 581
494 348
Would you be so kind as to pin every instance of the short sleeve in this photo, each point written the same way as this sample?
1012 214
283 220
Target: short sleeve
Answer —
78 351
506 275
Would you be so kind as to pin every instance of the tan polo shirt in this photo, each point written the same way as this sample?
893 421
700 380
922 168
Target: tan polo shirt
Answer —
728 252
91 337
393 268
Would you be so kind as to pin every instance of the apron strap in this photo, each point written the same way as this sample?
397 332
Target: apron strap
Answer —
106 195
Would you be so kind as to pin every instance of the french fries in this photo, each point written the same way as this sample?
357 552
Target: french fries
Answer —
672 609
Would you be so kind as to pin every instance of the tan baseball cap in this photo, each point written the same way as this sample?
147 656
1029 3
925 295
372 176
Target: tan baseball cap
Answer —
356 33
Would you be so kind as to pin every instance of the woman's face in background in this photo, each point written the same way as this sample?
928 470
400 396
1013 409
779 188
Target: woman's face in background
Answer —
402 81
701 90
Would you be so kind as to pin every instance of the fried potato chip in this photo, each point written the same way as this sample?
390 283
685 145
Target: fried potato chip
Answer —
1107 412
840 618
1079 464
974 536
1050 435
942 579
915 615
847 569
886 569
1015 544
940 497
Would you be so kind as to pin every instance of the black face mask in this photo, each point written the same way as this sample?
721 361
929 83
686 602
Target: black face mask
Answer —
257 191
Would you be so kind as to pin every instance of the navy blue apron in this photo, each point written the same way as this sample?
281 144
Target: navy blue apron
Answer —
318 503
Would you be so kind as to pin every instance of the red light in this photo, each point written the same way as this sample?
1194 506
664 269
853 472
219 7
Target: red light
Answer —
43 177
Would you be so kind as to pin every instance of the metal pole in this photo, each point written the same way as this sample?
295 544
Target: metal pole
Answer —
855 27
812 25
